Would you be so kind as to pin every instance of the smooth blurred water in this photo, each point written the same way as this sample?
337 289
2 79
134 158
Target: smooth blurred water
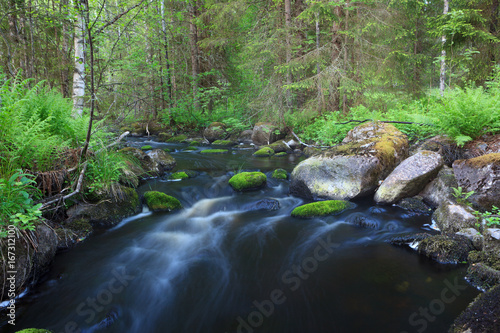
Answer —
217 267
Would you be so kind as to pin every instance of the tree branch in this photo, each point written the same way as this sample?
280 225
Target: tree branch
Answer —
116 18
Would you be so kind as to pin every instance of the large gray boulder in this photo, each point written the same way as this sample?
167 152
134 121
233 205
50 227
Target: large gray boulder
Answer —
439 190
265 133
161 160
215 131
481 175
369 153
409 177
451 217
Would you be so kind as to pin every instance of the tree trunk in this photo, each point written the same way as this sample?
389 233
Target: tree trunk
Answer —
288 42
165 45
79 73
195 67
442 72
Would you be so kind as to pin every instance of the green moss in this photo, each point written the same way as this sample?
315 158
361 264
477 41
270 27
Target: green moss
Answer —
178 139
178 175
321 208
190 173
280 174
281 154
214 151
222 143
167 150
264 152
484 160
194 143
80 226
34 330
190 148
246 181
147 147
158 201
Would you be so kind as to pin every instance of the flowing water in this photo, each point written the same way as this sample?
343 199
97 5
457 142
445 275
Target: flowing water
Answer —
219 265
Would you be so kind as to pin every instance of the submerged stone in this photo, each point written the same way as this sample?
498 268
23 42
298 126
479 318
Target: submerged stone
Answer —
321 208
264 204
247 181
446 249
214 151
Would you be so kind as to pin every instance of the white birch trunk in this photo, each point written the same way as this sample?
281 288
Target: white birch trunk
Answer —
442 72
79 73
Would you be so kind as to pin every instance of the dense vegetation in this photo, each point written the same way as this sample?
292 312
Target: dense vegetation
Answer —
308 66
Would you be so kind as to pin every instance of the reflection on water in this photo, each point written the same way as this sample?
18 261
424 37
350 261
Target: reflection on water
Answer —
217 266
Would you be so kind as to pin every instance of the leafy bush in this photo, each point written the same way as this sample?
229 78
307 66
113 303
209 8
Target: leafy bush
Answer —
466 114
16 204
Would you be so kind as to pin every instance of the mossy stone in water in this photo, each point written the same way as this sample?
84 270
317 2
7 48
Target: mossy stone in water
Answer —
147 147
247 181
280 174
190 148
178 175
167 150
194 143
321 208
179 138
34 330
222 143
214 151
158 201
281 154
264 152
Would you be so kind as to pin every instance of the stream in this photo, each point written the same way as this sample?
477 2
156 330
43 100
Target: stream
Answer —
220 265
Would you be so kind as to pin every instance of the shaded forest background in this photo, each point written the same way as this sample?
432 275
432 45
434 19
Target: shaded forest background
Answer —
187 63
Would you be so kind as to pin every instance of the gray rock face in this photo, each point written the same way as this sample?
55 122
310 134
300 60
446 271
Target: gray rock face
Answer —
452 218
492 241
265 133
481 175
353 169
440 190
215 131
409 177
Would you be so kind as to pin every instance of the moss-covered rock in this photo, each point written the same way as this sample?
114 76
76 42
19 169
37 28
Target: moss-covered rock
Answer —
190 173
182 138
264 152
158 201
223 143
190 148
178 175
481 315
30 264
154 163
311 151
163 137
280 147
194 143
282 154
354 168
414 205
280 174
110 211
34 330
215 131
481 175
146 147
482 276
321 208
247 181
214 151
446 249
